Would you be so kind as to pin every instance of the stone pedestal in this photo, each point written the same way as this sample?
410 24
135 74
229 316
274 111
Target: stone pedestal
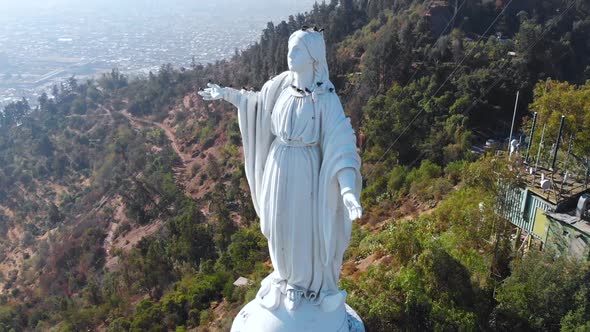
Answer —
305 318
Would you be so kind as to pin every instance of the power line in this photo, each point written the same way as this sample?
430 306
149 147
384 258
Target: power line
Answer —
558 18
443 84
501 77
458 9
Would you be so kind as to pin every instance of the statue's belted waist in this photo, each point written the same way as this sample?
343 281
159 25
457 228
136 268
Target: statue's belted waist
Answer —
294 142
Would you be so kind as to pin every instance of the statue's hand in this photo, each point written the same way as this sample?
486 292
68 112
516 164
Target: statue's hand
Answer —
212 92
355 211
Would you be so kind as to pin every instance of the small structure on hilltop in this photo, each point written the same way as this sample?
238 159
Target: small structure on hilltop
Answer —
552 208
242 282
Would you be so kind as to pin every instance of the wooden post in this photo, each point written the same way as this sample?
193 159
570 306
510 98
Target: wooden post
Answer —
517 240
529 242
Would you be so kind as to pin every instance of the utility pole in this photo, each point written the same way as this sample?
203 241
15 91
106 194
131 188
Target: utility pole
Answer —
531 135
557 143
567 159
587 173
569 151
540 146
513 119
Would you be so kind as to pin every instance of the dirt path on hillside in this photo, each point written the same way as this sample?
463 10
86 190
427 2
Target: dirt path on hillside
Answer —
109 113
183 170
140 123
114 226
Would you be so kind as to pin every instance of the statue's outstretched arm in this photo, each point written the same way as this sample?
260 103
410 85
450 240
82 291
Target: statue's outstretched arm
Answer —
216 92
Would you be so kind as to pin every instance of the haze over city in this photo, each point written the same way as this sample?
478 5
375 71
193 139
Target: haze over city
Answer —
44 42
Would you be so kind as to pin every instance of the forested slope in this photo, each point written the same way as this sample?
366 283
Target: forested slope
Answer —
123 203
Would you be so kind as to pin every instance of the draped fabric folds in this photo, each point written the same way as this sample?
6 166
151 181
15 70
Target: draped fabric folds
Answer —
337 151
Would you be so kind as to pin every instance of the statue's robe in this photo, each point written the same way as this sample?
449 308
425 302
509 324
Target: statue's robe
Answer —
331 225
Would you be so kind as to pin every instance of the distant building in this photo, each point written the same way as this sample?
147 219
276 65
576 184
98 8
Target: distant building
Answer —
557 222
568 234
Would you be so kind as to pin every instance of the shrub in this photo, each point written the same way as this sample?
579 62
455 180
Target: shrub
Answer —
454 171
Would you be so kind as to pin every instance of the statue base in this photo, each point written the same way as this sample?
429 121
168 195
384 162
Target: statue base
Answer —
306 317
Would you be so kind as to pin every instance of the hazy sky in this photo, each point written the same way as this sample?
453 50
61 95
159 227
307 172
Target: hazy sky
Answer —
48 7
40 36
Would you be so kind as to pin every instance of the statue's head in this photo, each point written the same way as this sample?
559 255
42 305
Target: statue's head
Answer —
307 50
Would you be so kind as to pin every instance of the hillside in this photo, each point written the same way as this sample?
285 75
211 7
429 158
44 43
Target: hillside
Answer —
124 206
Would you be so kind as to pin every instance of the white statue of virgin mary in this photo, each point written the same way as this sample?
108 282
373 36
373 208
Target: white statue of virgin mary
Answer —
303 170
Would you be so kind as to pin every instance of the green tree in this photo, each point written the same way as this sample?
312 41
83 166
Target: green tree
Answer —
191 239
554 99
542 290
14 113
248 246
54 215
155 269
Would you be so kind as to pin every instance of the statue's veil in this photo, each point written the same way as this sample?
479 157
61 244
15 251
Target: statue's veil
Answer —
316 47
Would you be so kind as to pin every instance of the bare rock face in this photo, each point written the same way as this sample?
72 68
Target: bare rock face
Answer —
187 102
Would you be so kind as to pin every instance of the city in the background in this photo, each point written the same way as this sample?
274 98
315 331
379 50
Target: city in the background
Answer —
44 42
